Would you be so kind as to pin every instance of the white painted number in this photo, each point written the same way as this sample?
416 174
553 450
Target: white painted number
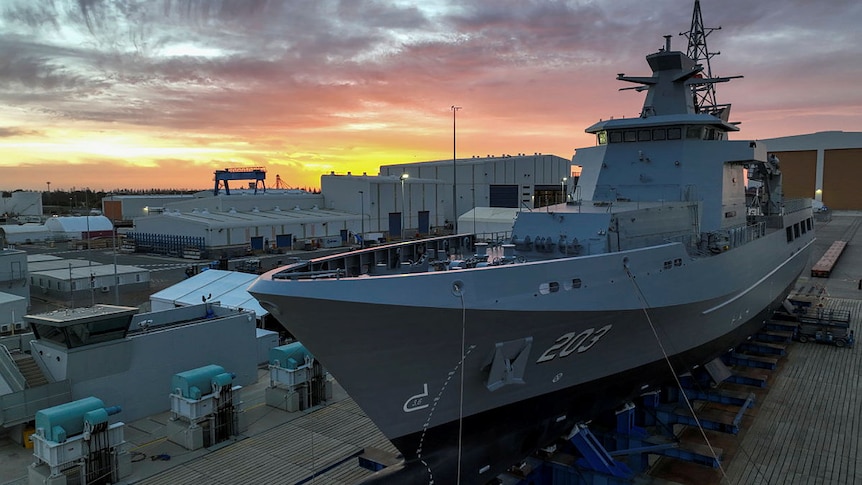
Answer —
573 342
417 402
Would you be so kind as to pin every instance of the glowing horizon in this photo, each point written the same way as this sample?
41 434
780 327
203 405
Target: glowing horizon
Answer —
134 95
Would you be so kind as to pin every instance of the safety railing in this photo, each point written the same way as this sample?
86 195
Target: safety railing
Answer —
9 370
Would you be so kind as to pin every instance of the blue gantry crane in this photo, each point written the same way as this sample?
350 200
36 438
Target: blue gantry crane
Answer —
258 174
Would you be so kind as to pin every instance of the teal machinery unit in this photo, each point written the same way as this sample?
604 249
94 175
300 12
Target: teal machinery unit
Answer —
296 380
204 407
76 438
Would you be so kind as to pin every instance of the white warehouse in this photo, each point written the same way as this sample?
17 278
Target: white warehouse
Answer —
403 201
418 197
230 233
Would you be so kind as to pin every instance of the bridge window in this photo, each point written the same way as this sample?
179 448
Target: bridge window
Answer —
643 135
796 230
615 137
674 133
789 231
694 133
602 137
659 134
630 135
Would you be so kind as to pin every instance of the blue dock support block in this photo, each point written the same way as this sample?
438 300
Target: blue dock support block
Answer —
748 380
595 456
735 358
764 348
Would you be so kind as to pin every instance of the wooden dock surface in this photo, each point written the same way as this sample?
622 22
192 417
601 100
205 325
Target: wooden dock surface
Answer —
809 425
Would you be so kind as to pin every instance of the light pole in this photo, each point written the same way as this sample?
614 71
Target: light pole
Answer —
116 278
563 188
87 215
454 174
362 223
404 176
473 189
71 288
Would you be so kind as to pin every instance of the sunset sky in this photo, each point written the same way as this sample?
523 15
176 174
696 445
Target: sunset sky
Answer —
160 93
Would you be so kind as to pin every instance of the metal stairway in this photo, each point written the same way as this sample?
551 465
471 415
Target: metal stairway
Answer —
29 369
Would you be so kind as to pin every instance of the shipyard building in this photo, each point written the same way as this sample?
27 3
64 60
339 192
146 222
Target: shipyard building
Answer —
825 166
403 201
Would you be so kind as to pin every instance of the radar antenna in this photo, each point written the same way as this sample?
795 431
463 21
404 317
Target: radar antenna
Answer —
704 94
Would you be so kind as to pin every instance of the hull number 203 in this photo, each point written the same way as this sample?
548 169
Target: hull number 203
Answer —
574 342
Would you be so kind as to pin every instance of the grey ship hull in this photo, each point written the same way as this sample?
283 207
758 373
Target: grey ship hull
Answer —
395 342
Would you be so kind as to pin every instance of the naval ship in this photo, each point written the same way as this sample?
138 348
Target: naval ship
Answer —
654 265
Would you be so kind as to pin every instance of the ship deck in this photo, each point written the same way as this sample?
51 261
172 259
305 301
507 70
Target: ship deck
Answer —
804 427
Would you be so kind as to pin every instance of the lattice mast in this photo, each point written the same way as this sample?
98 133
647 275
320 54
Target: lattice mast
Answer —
279 183
704 94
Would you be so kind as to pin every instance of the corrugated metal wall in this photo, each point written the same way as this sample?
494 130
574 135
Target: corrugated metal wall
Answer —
842 175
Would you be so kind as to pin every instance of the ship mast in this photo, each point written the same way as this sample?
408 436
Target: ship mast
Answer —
704 94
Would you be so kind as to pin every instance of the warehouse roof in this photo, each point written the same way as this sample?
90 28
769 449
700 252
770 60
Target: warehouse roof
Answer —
79 224
233 218
810 141
86 271
228 288
28 228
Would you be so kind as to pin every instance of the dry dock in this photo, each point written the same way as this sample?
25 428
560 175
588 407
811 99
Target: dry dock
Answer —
805 427
808 427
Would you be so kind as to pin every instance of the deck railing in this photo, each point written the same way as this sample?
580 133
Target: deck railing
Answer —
9 370
796 205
